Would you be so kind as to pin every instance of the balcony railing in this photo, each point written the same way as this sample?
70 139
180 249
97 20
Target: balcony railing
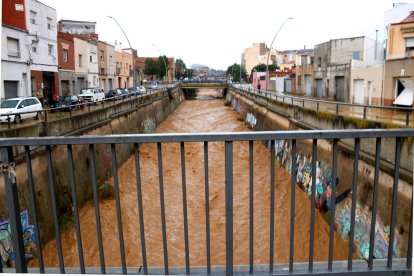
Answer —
118 71
350 266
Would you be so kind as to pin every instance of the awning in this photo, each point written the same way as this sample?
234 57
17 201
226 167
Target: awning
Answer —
406 96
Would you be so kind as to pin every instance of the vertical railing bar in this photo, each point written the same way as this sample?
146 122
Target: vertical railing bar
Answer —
332 207
272 204
394 200
164 230
292 207
184 190
312 207
96 203
207 202
251 197
54 209
13 207
33 205
374 203
140 209
75 209
118 208
229 206
410 237
354 199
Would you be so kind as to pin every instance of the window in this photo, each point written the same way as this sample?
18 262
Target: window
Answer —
90 58
299 80
102 71
65 55
80 61
50 49
409 46
319 62
33 15
13 48
102 53
49 23
34 49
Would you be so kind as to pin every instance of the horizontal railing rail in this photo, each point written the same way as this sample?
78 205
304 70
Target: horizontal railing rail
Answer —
373 267
303 100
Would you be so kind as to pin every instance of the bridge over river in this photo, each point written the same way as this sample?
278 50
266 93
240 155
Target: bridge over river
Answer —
220 198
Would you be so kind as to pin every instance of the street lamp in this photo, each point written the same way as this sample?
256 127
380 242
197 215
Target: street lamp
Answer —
165 64
268 55
132 51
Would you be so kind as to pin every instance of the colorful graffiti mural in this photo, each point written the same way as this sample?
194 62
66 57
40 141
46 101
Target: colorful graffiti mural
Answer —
283 151
149 125
251 120
29 237
363 230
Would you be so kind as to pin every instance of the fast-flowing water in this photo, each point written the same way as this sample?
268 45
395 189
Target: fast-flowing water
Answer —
198 116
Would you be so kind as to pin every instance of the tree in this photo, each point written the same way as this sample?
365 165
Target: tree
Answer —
151 68
180 68
234 71
262 67
161 66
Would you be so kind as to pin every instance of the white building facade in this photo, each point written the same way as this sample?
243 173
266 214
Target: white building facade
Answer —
42 48
92 63
15 71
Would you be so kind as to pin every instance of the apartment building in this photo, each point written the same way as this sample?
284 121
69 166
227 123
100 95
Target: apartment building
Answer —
42 41
123 69
399 65
333 62
81 63
257 54
15 59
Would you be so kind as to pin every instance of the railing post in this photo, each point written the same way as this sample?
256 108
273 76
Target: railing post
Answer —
229 206
13 207
337 109
407 118
8 122
317 106
365 112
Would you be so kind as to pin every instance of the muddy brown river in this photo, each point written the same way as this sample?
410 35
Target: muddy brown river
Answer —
198 116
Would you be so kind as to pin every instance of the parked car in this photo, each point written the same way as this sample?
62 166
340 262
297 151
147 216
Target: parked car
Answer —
154 85
93 95
114 94
125 93
141 89
16 105
67 103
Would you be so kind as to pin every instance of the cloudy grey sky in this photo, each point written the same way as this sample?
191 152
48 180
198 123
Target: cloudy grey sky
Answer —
215 32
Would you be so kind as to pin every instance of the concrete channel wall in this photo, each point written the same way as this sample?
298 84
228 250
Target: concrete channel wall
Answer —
263 114
136 115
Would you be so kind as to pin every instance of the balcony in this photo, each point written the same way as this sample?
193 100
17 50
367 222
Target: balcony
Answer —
118 71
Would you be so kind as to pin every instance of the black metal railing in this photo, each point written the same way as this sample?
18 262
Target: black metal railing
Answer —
392 266
302 101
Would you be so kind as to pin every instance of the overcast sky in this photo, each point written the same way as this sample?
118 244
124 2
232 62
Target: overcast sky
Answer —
216 32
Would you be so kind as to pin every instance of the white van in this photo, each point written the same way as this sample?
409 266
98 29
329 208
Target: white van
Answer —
93 95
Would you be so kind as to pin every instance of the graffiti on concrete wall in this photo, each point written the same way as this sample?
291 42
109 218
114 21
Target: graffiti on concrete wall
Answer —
149 125
7 255
363 230
283 151
251 120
